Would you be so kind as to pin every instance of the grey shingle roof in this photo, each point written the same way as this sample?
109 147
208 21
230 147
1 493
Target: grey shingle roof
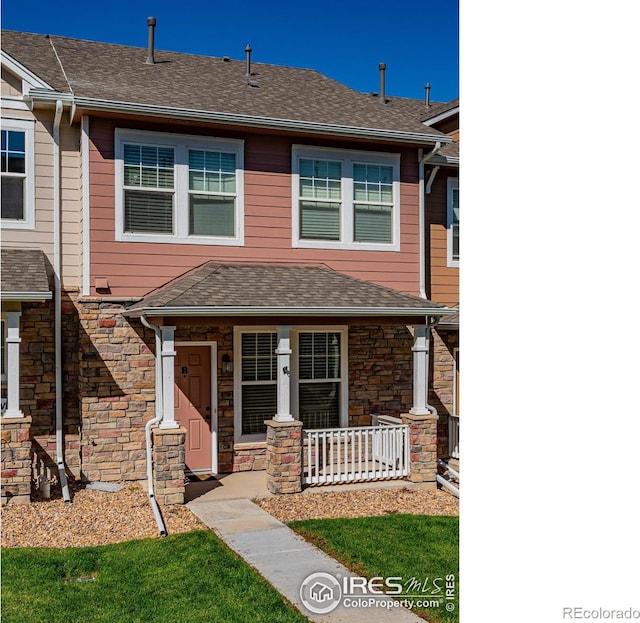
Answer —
439 108
23 271
118 73
266 286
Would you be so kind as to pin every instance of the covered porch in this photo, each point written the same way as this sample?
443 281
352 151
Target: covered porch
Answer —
245 352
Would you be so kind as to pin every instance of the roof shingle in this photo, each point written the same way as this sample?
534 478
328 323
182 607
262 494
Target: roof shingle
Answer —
266 286
118 73
24 271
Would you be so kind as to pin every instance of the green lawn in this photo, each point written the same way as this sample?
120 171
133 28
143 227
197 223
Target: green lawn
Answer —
406 546
183 578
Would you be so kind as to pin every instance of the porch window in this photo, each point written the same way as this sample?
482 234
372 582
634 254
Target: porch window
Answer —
319 379
259 398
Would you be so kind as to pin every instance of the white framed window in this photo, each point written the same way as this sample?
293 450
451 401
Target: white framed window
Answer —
345 199
17 173
453 222
319 378
178 188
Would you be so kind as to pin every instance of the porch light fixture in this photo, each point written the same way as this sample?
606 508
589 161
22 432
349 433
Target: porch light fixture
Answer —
286 370
227 364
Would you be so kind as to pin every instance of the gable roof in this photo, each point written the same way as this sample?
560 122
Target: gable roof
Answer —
273 290
115 77
24 275
440 111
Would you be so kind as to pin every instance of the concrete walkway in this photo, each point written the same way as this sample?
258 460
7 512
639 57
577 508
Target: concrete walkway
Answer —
284 558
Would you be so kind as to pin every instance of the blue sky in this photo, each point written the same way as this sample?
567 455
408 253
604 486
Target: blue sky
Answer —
344 39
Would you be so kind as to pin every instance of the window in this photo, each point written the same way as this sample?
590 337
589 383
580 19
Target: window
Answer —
258 371
318 387
178 189
453 222
319 379
345 199
17 174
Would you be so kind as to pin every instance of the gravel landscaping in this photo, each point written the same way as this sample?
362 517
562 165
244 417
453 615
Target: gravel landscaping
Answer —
93 518
361 503
100 518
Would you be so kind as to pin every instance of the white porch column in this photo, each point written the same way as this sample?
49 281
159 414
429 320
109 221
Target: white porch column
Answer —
168 353
283 351
420 370
13 365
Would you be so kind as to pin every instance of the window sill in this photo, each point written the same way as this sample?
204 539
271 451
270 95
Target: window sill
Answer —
167 239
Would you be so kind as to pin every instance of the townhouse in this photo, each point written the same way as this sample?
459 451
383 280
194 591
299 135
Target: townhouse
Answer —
195 249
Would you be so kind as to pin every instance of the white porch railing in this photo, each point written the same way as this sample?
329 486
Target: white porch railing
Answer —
335 455
454 436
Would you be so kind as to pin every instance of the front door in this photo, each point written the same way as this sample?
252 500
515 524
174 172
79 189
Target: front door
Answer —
193 407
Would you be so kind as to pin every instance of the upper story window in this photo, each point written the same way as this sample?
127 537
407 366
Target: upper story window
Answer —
453 222
17 174
179 189
345 199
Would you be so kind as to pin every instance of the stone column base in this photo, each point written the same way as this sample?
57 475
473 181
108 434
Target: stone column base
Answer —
423 447
16 460
284 456
168 465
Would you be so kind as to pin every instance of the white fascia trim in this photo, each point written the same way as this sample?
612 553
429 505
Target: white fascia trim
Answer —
442 116
27 296
247 120
292 311
33 81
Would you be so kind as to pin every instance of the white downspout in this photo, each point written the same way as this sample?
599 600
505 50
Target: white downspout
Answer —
422 160
57 303
153 422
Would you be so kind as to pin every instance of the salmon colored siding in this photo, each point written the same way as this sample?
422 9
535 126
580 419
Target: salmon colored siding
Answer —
442 281
135 268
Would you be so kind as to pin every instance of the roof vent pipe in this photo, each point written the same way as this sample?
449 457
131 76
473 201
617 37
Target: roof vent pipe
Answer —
382 67
248 51
427 95
151 23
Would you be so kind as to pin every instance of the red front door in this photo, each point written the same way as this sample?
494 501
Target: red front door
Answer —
193 408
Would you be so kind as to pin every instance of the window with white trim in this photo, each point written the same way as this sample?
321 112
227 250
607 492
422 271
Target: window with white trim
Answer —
318 379
453 222
344 199
258 399
179 189
17 174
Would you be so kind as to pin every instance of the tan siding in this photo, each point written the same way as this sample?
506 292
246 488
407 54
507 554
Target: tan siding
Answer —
11 85
135 268
442 281
42 237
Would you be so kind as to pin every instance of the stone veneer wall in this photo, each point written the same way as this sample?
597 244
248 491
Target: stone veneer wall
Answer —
116 390
380 372
441 383
16 459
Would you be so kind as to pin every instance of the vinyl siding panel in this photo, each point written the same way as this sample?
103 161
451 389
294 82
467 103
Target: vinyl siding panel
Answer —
133 269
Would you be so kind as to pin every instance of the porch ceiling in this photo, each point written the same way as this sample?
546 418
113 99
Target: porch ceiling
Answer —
216 289
24 275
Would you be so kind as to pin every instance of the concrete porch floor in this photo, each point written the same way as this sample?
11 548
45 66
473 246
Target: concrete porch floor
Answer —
253 485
